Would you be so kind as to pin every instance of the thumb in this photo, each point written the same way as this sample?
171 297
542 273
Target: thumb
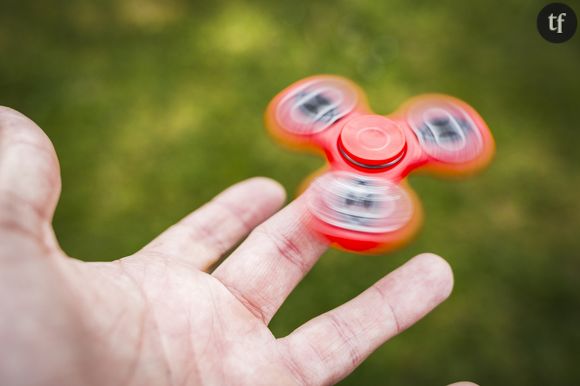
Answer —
29 180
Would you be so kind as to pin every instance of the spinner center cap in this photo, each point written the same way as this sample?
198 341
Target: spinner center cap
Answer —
372 141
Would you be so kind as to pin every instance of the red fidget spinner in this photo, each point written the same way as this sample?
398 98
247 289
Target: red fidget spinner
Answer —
360 201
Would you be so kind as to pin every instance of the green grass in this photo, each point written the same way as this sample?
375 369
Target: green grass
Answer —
155 106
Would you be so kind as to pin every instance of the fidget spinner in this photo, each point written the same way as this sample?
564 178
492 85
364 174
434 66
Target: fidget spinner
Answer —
360 200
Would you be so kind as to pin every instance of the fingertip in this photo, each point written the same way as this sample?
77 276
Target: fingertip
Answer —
268 186
417 287
463 383
29 167
16 127
7 110
8 115
441 273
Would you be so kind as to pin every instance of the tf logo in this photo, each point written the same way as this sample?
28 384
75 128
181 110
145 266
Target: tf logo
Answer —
557 22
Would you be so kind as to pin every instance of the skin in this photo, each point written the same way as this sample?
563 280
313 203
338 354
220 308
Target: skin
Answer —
158 317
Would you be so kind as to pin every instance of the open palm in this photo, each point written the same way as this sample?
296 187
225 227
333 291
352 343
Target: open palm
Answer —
158 317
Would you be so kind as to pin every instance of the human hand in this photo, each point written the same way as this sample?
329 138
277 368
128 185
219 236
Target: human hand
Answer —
158 317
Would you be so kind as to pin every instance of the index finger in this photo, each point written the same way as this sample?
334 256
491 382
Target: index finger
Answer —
263 271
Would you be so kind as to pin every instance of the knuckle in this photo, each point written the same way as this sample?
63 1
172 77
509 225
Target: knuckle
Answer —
346 336
287 247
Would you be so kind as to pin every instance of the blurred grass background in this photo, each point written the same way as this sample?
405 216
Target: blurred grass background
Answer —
156 106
